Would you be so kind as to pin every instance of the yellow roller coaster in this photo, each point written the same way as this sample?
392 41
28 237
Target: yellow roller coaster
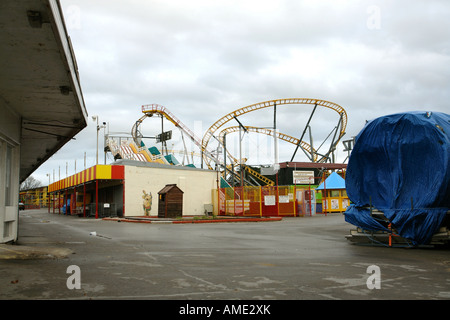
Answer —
151 109
209 157
271 103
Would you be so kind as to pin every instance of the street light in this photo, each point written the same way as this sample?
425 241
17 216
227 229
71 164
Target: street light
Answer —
48 188
95 118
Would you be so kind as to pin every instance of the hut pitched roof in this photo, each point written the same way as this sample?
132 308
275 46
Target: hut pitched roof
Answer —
334 181
169 187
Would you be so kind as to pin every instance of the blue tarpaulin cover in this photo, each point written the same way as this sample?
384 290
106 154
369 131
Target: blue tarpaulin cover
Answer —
400 165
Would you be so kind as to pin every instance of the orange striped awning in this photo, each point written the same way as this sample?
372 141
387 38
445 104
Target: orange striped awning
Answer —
98 172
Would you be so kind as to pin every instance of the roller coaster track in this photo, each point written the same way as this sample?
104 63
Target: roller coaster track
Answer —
269 132
239 112
151 109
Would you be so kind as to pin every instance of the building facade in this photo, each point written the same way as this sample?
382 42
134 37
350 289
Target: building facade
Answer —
41 104
130 188
35 198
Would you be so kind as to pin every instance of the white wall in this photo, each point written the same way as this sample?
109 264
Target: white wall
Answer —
195 183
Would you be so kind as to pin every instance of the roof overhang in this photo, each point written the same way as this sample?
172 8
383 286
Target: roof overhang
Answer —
313 165
39 78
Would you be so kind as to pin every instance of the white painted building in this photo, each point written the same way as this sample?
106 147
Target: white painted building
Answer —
145 178
129 188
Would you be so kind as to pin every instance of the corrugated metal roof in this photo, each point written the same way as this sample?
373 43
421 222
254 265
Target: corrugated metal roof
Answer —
39 79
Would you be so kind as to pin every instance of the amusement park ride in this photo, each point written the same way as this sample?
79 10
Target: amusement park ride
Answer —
232 168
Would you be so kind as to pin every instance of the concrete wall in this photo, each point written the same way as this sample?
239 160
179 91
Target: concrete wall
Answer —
10 123
10 127
195 183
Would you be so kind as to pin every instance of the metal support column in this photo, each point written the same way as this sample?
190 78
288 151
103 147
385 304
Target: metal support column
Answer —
240 149
96 198
304 131
84 199
123 202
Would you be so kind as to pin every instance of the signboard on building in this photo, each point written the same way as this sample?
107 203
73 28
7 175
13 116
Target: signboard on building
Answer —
303 177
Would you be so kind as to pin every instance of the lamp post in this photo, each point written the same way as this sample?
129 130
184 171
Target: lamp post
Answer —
95 118
48 195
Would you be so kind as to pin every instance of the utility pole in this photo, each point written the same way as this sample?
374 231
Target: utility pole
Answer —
275 140
95 118
225 155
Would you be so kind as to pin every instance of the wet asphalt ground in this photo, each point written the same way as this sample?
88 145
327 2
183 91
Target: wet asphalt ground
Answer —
303 258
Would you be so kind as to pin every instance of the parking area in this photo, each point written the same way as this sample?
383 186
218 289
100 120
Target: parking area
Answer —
292 259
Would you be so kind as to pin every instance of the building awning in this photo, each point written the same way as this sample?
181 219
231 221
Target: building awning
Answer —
97 172
39 80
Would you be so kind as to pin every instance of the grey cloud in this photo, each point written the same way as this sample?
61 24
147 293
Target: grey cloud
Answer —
203 59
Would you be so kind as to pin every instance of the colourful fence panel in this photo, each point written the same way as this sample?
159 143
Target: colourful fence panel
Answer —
268 201
286 201
253 196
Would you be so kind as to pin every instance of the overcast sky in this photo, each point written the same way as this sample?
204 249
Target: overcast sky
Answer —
204 59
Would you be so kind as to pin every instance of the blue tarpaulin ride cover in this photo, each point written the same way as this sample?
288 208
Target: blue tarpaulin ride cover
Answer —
400 165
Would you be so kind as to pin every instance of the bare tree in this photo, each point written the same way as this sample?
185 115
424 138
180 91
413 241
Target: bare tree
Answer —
30 183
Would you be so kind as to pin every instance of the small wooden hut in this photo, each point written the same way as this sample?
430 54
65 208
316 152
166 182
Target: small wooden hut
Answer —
170 203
